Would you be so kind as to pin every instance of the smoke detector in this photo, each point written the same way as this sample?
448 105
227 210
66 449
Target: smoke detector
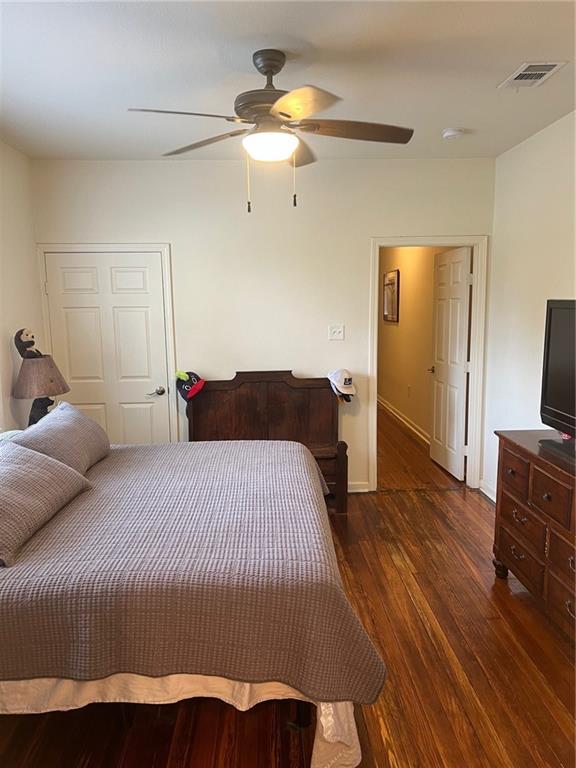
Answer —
453 133
531 74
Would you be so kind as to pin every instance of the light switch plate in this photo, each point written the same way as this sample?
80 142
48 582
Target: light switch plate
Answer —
336 332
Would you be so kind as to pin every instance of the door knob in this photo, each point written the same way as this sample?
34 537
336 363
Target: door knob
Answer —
158 391
432 370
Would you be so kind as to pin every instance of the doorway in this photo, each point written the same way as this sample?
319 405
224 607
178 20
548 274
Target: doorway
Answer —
439 398
108 314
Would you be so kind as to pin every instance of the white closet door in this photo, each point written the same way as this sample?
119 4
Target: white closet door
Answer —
451 306
106 314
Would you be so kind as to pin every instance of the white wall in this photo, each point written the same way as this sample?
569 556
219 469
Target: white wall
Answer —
19 281
258 291
532 260
405 349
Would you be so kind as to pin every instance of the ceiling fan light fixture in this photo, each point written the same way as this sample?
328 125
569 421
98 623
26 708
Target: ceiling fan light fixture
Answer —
270 146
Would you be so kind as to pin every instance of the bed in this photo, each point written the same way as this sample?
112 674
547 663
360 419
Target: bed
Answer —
192 569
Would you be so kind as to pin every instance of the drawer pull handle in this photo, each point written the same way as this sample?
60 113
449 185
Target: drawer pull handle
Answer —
547 496
510 471
521 520
571 563
568 605
516 554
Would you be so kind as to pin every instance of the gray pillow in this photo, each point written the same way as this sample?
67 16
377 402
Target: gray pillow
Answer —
69 436
33 487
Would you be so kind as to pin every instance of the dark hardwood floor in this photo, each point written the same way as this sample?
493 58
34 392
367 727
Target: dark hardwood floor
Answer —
477 676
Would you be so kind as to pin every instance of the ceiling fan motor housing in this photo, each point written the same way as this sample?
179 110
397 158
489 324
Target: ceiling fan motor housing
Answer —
255 105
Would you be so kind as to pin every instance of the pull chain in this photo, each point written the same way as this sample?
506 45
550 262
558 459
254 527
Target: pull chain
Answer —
294 199
248 195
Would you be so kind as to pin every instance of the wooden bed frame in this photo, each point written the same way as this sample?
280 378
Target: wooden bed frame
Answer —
275 405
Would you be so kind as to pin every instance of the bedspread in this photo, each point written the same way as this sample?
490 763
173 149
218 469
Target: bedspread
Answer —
208 558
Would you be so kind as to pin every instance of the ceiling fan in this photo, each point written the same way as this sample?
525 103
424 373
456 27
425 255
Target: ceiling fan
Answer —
269 117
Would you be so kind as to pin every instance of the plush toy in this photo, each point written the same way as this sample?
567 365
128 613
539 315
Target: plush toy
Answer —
39 409
26 343
188 384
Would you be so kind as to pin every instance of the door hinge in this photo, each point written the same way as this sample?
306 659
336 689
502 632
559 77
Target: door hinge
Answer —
465 450
467 367
46 287
470 279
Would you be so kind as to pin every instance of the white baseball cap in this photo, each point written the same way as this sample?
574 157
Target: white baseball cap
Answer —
341 379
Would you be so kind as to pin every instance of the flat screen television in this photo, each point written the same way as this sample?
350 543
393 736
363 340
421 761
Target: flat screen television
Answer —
558 401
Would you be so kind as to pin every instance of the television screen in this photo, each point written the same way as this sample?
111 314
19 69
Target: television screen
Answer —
558 404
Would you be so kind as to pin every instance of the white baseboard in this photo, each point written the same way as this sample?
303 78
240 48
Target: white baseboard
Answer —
418 431
358 487
487 490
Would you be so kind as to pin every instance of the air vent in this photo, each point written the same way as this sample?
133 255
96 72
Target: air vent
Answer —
530 74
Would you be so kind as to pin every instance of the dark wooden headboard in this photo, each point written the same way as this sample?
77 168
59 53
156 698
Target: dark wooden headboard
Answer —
265 405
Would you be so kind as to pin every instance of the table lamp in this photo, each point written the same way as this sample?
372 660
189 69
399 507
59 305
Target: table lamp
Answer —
39 378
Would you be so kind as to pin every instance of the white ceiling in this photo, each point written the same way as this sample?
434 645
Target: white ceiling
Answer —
70 70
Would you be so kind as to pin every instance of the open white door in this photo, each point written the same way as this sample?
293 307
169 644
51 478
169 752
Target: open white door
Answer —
107 327
450 366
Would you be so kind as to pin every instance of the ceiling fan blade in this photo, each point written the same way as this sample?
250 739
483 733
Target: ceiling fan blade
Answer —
302 102
206 142
303 155
230 118
352 129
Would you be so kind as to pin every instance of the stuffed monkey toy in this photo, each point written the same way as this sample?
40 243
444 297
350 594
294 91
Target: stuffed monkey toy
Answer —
26 344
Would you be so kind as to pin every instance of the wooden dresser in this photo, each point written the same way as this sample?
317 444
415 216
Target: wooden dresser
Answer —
275 405
534 535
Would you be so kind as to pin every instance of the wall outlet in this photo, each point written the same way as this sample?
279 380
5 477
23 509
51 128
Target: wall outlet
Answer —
336 333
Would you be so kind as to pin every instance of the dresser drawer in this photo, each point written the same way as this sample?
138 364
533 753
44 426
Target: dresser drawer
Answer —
517 557
514 473
561 556
551 497
521 522
561 603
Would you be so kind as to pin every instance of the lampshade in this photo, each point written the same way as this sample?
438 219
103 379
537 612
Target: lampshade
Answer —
270 146
39 377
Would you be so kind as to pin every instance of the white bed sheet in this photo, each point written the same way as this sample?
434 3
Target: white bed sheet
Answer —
336 742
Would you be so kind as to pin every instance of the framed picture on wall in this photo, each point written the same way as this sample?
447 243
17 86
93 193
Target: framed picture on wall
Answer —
391 301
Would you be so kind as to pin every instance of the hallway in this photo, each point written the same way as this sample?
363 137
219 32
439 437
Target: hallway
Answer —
403 460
